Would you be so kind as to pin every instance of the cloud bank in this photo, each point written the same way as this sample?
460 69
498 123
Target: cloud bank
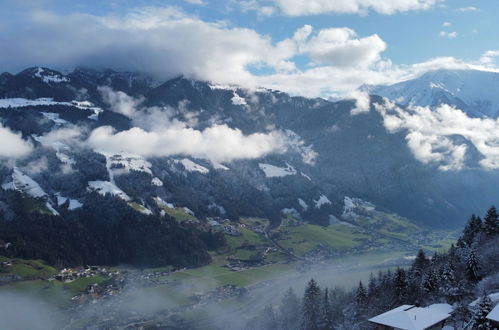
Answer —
316 7
158 134
166 42
431 134
13 145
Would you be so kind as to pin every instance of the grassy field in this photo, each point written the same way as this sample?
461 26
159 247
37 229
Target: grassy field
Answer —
80 285
28 269
304 238
179 214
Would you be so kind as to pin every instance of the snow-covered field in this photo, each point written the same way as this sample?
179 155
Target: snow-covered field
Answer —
272 171
24 103
106 187
23 183
190 166
129 163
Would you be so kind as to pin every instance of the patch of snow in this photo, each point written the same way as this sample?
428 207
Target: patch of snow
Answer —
22 102
162 203
49 77
272 171
45 101
23 183
190 166
73 203
238 100
157 182
306 176
106 187
51 209
127 162
303 204
218 166
323 200
188 211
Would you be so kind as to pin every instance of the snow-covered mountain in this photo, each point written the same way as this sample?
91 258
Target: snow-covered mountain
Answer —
473 91
329 153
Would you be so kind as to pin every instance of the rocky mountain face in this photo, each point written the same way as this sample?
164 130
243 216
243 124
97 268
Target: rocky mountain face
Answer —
329 153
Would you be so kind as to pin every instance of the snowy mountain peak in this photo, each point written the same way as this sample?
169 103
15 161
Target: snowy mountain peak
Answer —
473 91
46 75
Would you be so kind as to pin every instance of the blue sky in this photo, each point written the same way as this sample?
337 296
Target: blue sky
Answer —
405 36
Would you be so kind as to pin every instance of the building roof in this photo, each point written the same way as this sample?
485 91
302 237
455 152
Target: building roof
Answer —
494 314
493 296
409 317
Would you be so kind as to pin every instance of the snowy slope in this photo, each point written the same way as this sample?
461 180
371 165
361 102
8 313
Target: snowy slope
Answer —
128 163
190 166
272 171
476 92
23 183
44 101
106 187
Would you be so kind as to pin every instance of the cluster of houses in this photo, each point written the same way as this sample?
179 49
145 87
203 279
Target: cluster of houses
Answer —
71 274
434 317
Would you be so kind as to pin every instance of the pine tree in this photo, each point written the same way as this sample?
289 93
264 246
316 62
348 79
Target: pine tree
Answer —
400 285
472 228
472 266
491 222
448 285
361 295
311 306
420 263
483 308
326 322
372 287
290 311
430 282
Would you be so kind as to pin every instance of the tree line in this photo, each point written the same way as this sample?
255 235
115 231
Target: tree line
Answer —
467 270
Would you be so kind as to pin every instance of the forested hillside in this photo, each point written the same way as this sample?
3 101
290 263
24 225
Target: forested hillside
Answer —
462 277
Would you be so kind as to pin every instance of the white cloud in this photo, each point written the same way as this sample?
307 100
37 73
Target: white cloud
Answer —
315 7
196 2
341 47
489 57
447 24
431 134
167 42
218 143
465 9
362 102
450 35
13 145
68 135
158 134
